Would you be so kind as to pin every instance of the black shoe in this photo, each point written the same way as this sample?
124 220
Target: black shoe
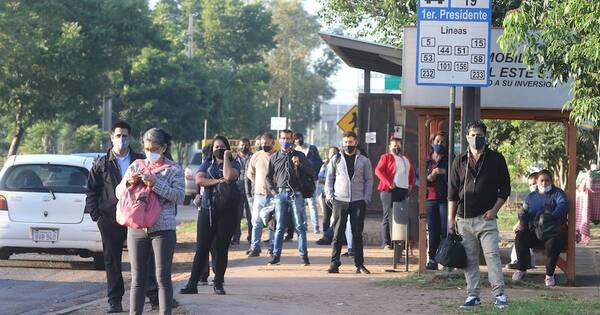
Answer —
235 242
266 241
253 253
174 304
115 307
305 261
274 261
431 265
218 288
203 282
190 288
323 241
333 268
363 270
269 252
348 254
288 238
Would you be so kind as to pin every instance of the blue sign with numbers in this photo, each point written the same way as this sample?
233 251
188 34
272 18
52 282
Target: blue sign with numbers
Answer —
453 42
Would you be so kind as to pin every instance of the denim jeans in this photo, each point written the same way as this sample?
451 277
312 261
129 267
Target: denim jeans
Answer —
243 210
437 224
141 245
314 210
290 204
475 232
259 202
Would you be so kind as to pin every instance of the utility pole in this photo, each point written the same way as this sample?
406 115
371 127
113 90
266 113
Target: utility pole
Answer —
190 48
106 117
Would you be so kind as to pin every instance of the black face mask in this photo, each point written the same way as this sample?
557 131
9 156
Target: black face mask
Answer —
267 148
349 149
219 153
396 151
246 150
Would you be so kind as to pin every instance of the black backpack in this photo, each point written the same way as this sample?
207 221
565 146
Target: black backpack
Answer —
545 226
451 252
307 184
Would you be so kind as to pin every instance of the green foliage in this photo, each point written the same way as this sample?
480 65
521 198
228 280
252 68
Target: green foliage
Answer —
57 56
562 39
384 19
303 86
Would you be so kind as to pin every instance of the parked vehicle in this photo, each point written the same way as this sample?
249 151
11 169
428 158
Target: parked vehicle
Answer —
190 183
42 207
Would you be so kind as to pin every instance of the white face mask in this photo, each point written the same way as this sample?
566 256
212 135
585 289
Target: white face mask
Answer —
152 156
120 143
544 189
532 188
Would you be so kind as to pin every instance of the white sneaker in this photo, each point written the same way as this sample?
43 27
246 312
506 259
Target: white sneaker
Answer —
501 301
549 281
471 302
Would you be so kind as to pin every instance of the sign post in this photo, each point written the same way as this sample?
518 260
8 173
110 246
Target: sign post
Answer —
453 49
349 122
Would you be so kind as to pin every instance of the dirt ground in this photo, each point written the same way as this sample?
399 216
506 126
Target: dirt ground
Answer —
291 288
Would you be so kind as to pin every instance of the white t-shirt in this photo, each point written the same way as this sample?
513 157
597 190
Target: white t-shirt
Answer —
123 163
402 171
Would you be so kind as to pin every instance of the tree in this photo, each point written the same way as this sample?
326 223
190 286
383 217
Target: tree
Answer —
58 56
561 39
384 19
302 85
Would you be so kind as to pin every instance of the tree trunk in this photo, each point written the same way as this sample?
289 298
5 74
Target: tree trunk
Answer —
16 140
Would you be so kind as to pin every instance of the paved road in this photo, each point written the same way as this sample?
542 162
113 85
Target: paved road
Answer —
41 284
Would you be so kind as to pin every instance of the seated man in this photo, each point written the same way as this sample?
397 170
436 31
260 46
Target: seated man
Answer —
546 198
532 182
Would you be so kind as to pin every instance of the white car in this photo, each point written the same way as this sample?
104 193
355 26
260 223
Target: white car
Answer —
42 202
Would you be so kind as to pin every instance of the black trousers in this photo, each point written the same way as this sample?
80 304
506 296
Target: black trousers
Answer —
218 229
113 237
525 240
357 211
244 210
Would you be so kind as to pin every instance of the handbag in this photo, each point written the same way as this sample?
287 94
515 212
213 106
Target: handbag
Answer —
451 253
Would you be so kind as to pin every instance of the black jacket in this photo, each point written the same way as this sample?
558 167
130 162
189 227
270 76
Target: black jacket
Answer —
102 181
486 183
283 174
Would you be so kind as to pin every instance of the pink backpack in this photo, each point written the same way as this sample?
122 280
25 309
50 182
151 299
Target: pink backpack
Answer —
139 206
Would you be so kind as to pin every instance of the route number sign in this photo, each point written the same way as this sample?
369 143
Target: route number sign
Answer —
453 42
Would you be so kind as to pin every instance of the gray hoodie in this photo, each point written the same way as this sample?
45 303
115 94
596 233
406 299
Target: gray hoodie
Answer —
340 187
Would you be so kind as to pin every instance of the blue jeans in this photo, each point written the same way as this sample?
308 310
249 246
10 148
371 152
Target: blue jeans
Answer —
437 224
314 211
259 202
288 203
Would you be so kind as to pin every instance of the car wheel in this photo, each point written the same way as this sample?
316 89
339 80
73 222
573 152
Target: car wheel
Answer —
187 200
98 261
4 254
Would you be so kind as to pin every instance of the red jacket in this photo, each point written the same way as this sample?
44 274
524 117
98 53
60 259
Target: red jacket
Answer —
386 170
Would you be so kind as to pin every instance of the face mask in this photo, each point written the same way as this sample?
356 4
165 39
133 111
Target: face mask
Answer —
439 149
396 151
246 150
349 149
476 142
532 188
266 148
219 153
285 145
152 156
544 189
120 143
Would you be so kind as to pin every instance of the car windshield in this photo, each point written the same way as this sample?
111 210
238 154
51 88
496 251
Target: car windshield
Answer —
197 158
45 177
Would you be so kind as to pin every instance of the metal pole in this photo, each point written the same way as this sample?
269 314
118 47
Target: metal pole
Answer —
205 129
451 119
406 242
369 129
190 50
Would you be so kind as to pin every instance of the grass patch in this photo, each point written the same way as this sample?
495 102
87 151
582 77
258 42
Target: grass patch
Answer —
506 220
545 304
190 227
455 280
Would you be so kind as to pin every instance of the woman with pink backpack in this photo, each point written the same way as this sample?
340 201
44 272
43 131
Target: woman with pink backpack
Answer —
148 196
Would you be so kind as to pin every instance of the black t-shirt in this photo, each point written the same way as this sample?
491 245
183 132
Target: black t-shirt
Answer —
350 164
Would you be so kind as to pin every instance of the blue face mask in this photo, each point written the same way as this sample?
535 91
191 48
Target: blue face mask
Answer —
120 143
439 149
285 145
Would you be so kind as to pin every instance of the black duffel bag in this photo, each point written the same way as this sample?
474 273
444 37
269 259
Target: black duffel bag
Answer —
451 253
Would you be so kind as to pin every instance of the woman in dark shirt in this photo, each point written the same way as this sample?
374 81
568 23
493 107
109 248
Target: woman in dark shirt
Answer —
437 191
213 222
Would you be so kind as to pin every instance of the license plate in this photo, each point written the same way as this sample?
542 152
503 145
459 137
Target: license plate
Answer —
40 235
